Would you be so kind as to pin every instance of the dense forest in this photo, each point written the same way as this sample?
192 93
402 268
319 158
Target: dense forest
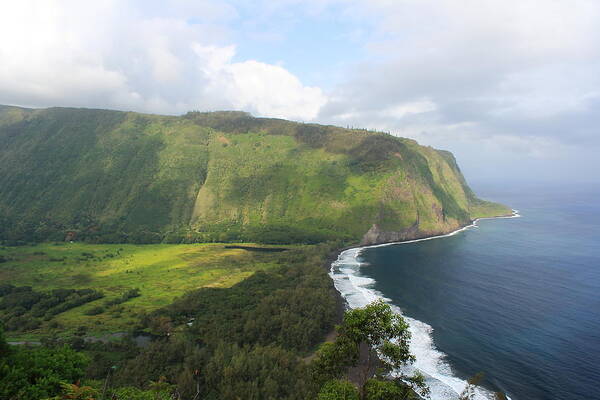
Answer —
258 339
250 338
22 308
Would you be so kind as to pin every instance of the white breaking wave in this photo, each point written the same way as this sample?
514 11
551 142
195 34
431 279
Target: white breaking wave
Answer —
358 291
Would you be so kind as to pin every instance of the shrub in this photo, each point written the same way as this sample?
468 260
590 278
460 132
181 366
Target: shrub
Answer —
338 390
95 310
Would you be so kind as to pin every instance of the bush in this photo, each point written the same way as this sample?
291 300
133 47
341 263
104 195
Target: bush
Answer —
95 310
338 390
379 389
37 373
130 294
21 307
133 393
268 373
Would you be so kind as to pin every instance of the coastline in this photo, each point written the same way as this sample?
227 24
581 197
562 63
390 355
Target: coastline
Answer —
335 254
354 290
514 214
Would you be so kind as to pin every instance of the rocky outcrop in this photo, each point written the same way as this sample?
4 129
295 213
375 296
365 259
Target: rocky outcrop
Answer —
376 235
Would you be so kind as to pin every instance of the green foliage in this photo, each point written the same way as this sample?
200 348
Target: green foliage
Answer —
133 393
338 390
382 330
4 346
483 209
374 151
95 310
333 359
73 391
103 356
39 372
385 334
160 272
287 234
105 175
130 294
22 308
291 306
379 389
114 177
101 176
249 338
255 373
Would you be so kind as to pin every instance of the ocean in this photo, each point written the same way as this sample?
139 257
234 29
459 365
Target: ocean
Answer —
517 299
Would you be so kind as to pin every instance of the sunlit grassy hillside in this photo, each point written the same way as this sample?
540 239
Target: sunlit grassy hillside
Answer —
109 176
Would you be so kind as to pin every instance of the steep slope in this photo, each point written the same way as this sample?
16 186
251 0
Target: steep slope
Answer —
113 176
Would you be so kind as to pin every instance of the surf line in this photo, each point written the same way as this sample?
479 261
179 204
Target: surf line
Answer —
473 224
357 291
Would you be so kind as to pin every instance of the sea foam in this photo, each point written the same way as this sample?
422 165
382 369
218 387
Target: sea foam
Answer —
358 291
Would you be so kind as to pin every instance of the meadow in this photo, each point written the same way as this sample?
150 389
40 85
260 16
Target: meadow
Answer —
161 272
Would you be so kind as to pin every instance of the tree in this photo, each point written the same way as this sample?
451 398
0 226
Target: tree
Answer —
161 325
384 332
73 391
133 393
39 372
378 389
256 373
397 389
161 387
338 390
333 359
374 341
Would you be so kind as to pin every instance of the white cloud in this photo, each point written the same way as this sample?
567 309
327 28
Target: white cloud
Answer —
511 77
403 109
257 87
272 90
117 55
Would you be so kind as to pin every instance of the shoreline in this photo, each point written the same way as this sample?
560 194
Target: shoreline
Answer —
335 254
448 386
515 214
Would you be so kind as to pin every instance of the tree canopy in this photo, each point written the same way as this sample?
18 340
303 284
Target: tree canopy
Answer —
373 341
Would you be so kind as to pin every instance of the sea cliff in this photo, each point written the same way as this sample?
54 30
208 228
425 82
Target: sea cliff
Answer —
112 176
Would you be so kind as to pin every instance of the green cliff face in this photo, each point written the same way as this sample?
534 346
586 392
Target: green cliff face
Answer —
113 176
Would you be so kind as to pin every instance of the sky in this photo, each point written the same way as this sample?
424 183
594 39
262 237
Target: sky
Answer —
511 87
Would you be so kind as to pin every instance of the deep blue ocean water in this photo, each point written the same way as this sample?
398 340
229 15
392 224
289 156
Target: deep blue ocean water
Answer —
516 299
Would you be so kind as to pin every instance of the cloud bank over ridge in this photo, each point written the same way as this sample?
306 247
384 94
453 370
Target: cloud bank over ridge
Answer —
106 54
506 83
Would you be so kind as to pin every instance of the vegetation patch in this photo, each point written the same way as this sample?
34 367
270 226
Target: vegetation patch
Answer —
217 177
248 340
23 309
134 280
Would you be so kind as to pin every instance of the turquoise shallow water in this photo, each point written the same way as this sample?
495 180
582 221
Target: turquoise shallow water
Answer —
517 299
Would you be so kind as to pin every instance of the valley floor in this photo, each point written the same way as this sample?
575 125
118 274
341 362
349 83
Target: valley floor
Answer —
161 273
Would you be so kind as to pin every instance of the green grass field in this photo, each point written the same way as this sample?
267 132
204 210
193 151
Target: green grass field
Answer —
161 272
